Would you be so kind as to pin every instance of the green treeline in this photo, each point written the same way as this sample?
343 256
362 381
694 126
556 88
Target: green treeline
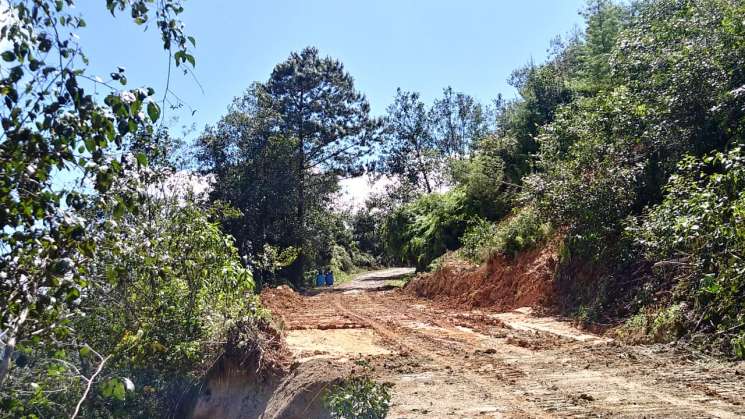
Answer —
602 149
626 144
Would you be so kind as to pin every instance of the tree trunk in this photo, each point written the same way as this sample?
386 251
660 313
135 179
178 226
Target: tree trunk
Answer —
300 261
423 171
10 346
297 274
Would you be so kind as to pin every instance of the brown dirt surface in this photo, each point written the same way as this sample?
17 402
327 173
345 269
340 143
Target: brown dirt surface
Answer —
451 361
501 283
281 298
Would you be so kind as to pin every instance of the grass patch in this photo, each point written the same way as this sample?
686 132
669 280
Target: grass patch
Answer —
661 325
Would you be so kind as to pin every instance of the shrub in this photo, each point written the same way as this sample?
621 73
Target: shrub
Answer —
655 325
341 260
521 231
359 397
696 236
364 260
478 240
419 232
488 177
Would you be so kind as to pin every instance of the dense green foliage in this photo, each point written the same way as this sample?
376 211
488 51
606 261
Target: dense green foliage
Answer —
626 142
277 154
50 124
697 235
674 74
358 397
113 295
419 232
521 231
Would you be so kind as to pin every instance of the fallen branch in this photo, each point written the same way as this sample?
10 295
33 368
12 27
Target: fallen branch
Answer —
721 332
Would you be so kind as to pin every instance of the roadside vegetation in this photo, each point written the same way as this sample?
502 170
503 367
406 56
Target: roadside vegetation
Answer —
626 144
358 396
115 294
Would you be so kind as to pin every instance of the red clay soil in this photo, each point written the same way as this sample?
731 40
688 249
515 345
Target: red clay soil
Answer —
501 283
281 299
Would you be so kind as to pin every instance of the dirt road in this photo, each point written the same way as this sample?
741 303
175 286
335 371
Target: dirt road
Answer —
449 363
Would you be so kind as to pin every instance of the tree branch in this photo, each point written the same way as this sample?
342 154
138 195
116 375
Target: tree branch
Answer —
88 386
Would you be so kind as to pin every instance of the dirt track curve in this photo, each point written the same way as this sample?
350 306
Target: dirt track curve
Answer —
450 363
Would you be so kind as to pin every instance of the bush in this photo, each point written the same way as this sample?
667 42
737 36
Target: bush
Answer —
521 231
478 240
655 325
488 177
419 232
696 236
341 260
591 176
364 260
359 397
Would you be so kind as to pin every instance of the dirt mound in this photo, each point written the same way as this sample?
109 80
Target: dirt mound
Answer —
281 299
502 282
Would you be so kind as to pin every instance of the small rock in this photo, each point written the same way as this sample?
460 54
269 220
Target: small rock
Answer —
587 397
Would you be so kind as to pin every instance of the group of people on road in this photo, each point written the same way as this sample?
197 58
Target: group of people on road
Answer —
326 278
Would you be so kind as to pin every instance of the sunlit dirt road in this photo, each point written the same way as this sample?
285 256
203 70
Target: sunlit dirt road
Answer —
450 363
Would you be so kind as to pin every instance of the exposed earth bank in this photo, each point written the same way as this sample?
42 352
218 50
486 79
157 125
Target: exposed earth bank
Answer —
502 283
498 360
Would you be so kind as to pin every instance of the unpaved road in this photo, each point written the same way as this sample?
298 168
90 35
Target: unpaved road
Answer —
449 363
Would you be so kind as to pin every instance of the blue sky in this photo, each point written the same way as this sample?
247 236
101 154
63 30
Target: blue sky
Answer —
420 45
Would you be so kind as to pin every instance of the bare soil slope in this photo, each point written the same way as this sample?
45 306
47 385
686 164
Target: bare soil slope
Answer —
501 283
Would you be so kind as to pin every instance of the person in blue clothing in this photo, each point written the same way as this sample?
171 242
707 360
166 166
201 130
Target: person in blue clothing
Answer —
329 278
320 278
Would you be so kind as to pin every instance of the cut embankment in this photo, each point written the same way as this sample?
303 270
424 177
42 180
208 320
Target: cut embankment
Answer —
314 352
258 375
235 392
502 282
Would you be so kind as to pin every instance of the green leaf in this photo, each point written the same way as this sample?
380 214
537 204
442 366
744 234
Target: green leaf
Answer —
142 159
8 56
118 210
115 388
90 145
119 390
153 111
72 295
85 351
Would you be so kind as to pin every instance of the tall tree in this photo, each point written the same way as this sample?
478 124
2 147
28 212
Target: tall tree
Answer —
283 145
604 20
254 172
409 151
458 121
318 106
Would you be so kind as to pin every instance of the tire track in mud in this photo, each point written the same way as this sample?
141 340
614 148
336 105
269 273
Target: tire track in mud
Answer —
516 406
539 382
479 363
